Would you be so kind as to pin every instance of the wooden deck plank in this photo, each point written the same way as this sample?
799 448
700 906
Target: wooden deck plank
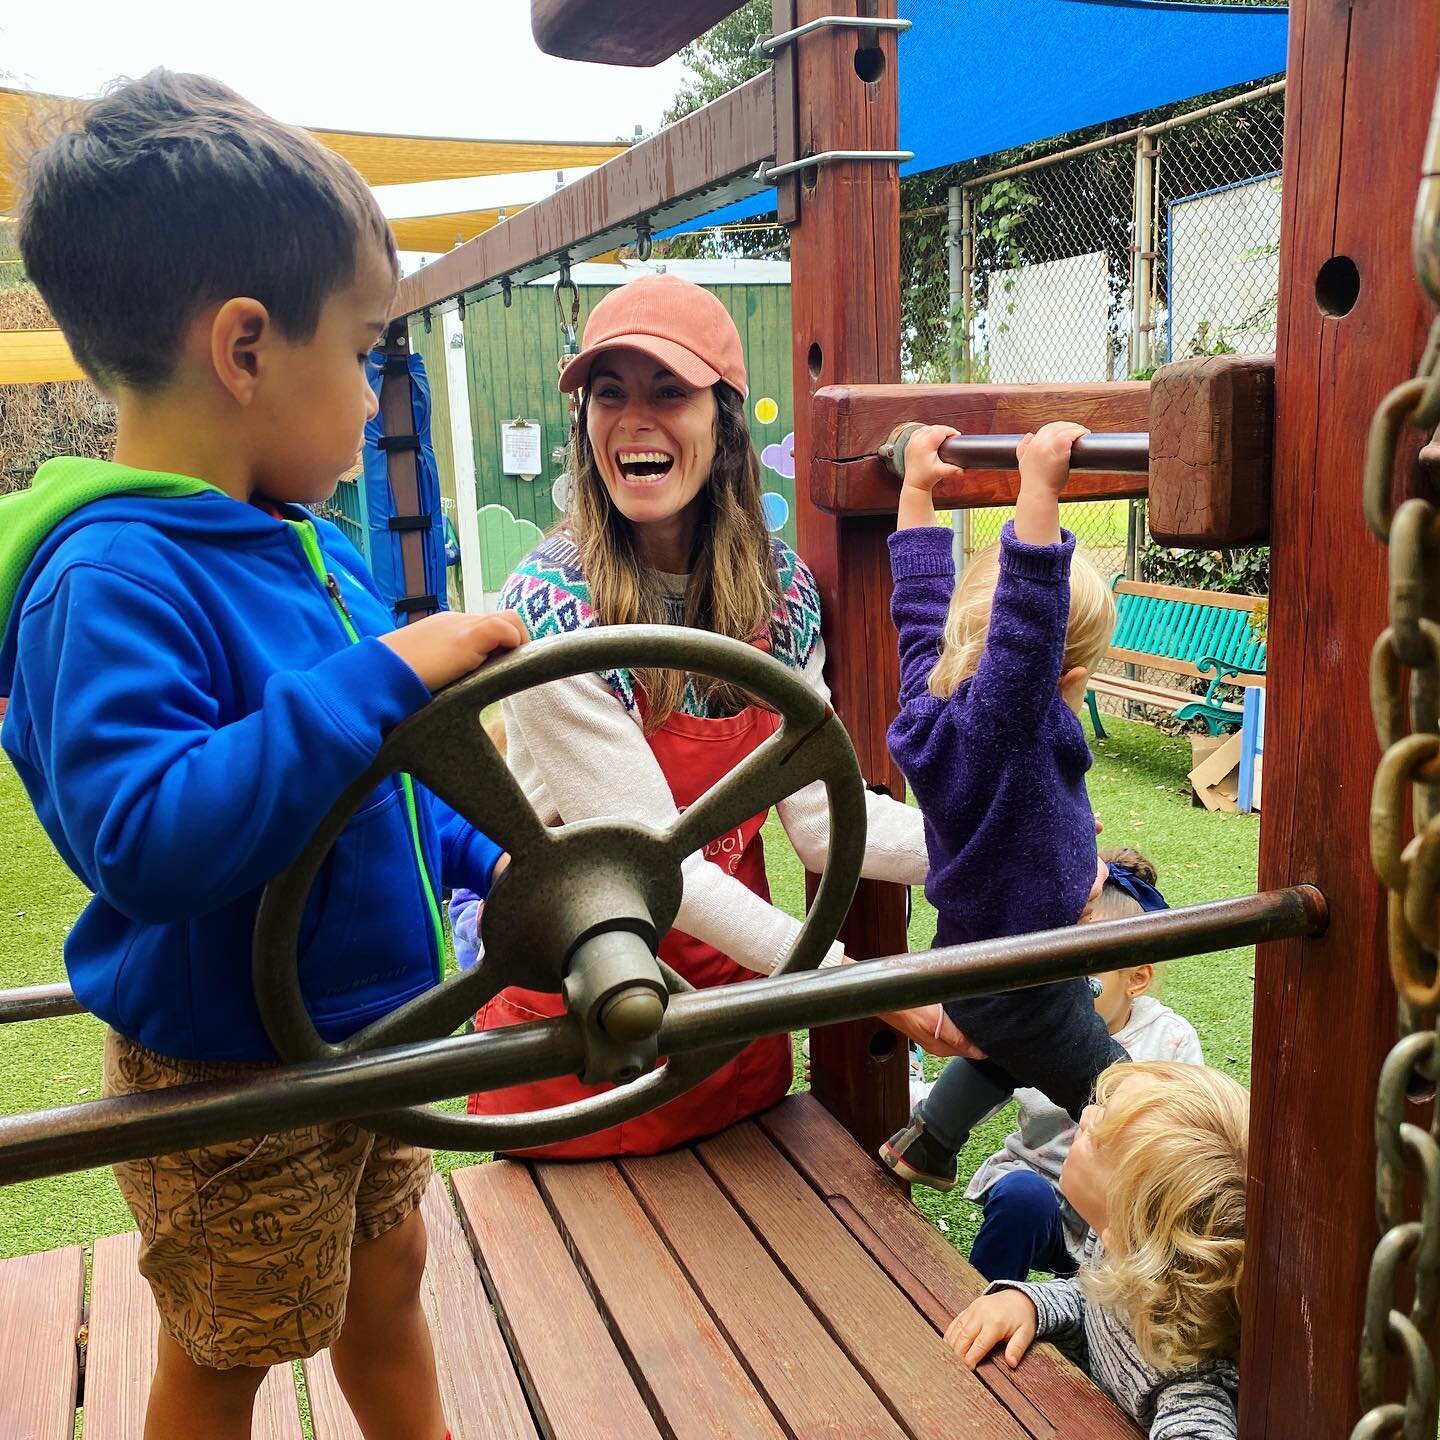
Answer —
919 1376
120 1359
42 1300
923 1265
575 1377
809 1380
997 1377
481 1393
675 1350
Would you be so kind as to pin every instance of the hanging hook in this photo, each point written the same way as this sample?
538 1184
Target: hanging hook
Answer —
569 327
425 316
505 288
642 239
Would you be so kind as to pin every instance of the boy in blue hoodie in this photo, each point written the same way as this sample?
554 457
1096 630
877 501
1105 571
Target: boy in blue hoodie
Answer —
196 669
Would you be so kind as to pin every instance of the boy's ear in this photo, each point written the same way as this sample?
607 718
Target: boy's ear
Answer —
240 338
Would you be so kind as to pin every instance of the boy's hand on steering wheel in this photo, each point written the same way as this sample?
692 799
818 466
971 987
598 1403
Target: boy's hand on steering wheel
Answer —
441 648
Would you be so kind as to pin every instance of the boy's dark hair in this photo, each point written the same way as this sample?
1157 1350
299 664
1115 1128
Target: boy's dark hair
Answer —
173 193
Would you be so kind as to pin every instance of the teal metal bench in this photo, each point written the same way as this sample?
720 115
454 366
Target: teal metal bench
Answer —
1196 634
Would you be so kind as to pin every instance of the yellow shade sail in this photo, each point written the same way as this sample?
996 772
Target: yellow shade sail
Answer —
36 357
380 159
405 159
443 232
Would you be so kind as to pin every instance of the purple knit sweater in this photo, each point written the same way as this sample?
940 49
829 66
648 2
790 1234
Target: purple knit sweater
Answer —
998 768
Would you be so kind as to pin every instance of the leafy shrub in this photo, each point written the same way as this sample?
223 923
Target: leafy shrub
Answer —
1241 572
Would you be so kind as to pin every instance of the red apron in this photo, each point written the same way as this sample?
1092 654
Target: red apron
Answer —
693 754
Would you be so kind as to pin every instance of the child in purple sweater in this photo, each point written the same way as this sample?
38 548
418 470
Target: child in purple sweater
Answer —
992 678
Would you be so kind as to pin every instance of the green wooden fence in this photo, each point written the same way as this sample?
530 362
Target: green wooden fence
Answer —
512 355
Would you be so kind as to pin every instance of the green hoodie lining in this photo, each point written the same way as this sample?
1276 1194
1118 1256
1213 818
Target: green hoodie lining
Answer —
60 488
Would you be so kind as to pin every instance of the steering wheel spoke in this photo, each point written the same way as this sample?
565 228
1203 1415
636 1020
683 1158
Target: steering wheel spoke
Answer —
441 1010
784 764
484 790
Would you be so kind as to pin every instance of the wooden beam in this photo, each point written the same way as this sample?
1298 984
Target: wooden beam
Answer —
845 309
853 421
623 32
701 162
1360 87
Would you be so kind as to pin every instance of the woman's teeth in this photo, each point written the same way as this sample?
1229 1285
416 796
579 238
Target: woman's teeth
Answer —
645 465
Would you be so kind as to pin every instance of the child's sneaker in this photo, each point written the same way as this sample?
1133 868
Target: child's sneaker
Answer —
916 1156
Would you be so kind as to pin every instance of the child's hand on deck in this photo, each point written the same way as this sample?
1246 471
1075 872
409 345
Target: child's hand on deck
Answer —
1007 1315
441 648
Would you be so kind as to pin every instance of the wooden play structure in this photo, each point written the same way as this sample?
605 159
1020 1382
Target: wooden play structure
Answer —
772 1280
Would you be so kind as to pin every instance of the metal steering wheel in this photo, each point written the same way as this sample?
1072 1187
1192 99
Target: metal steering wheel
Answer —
582 907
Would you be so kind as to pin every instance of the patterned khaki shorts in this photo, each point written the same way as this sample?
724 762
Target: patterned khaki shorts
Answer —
247 1245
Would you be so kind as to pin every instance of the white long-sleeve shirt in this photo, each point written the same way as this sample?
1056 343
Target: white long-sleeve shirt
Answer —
579 751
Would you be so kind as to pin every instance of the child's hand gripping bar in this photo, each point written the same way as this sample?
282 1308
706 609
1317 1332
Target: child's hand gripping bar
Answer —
1126 453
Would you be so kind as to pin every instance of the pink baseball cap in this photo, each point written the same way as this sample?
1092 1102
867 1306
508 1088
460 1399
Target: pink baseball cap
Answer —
673 321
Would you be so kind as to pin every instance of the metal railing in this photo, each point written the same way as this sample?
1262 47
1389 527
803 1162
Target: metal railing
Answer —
105 1132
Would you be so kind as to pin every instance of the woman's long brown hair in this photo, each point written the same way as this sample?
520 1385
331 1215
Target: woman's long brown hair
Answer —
734 588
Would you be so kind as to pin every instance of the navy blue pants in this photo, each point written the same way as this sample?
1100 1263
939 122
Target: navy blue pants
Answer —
1022 1230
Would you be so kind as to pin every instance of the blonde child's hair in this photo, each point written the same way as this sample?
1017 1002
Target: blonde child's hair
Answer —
1175 1242
1087 635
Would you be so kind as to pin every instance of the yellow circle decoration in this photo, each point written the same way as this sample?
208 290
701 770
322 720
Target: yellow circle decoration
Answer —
766 410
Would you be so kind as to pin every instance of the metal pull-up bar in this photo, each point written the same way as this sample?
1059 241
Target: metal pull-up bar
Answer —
104 1132
1126 452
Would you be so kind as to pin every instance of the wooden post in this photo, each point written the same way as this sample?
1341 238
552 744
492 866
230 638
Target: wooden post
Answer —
845 304
1361 74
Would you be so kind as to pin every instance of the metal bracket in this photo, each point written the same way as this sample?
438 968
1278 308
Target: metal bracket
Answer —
765 46
892 452
767 174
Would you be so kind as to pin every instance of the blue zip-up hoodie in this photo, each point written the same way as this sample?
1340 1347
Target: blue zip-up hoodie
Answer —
187 699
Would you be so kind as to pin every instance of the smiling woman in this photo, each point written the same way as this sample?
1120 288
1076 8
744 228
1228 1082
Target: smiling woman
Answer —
666 525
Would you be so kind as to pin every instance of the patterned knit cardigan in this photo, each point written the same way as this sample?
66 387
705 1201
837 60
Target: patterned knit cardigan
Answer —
549 592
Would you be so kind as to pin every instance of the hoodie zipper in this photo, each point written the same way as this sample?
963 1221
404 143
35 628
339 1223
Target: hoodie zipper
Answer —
310 544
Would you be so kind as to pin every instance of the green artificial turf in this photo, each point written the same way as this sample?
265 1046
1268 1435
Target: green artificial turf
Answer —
1138 787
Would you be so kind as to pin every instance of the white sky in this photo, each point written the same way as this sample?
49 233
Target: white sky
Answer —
455 67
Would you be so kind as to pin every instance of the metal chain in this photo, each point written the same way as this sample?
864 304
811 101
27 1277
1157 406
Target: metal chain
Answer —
1407 1259
569 324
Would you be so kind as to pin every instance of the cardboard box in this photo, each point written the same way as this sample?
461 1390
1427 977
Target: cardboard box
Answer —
1216 774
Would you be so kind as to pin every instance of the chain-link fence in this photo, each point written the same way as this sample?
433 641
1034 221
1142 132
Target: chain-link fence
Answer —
1098 263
